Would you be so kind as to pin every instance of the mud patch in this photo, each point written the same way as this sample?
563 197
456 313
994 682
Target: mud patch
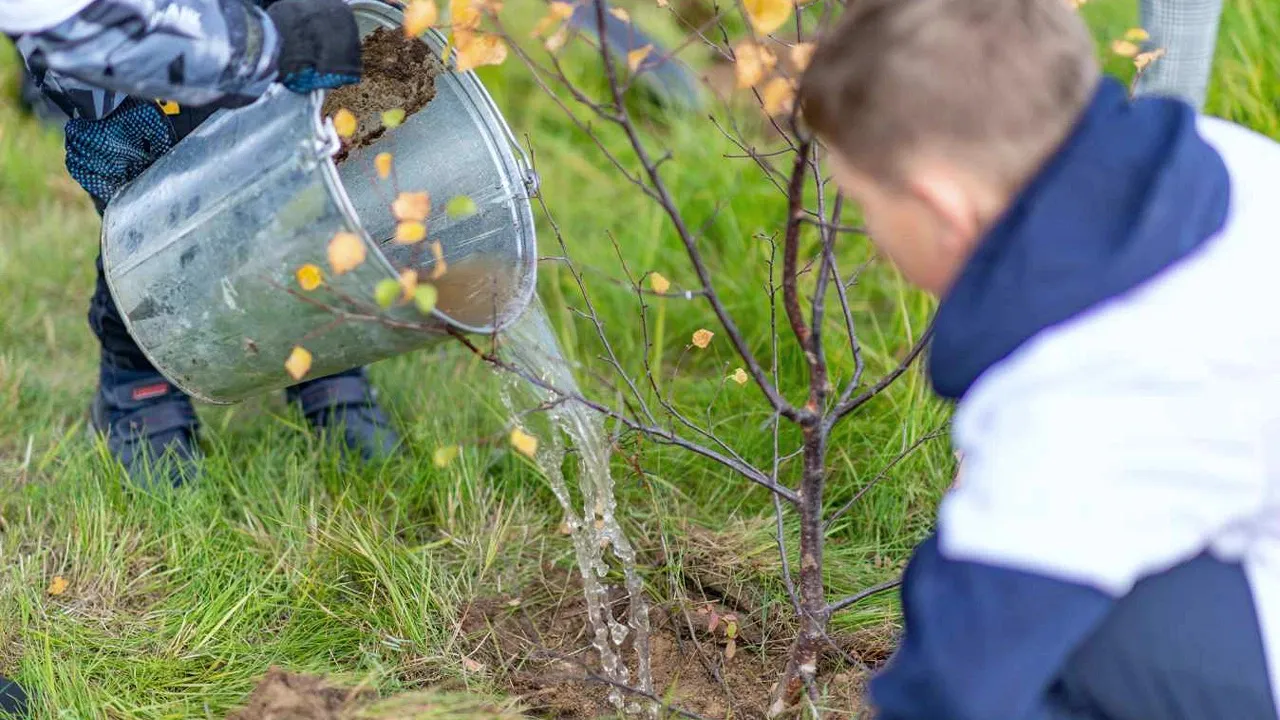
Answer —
286 696
536 644
399 72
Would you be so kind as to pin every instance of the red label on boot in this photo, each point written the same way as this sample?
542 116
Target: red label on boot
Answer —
147 392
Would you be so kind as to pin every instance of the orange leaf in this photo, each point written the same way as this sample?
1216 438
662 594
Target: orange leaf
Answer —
408 284
779 96
637 56
753 62
1144 59
410 232
58 585
768 15
420 16
524 443
383 163
1124 48
463 15
739 376
309 277
659 283
299 363
411 206
702 338
346 252
801 54
344 122
480 49
557 41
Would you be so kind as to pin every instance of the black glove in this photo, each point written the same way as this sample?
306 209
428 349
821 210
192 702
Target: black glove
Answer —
319 44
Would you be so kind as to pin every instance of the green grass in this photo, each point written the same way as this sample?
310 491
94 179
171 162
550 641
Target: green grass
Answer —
179 601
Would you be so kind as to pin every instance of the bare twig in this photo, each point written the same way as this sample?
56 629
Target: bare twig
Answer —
856 598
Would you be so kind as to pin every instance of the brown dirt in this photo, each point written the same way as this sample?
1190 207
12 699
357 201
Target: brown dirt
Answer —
535 644
399 72
286 696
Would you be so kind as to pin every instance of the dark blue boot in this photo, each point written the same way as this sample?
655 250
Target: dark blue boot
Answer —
13 699
149 426
345 406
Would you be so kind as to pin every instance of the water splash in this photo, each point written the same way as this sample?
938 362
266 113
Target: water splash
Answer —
530 345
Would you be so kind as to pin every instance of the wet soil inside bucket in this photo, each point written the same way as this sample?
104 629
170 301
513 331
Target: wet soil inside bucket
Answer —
399 72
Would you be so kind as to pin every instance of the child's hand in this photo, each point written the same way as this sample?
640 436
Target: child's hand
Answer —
320 44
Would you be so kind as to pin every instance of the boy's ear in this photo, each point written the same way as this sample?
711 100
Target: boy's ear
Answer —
946 195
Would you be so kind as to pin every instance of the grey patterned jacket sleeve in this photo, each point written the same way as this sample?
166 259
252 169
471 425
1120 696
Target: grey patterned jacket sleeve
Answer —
194 52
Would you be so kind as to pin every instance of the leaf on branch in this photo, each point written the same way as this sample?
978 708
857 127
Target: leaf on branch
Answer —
444 456
1142 60
636 57
420 16
386 292
557 41
441 267
740 376
1124 48
1137 35
702 338
344 122
664 3
659 283
460 206
463 15
346 252
730 649
411 206
299 363
383 164
768 15
524 443
801 54
753 63
621 14
779 96
424 297
58 585
309 277
479 49
392 118
557 13
410 232
408 284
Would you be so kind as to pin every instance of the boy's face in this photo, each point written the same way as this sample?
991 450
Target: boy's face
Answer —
926 227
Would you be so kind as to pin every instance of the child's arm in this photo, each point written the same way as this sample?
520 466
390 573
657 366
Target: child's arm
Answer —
195 52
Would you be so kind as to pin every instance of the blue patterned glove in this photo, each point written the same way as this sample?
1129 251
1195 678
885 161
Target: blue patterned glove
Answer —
319 44
103 155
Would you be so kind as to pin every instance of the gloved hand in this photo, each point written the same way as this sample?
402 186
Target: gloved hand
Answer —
319 44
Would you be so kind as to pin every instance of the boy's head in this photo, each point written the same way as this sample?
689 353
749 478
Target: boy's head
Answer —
936 112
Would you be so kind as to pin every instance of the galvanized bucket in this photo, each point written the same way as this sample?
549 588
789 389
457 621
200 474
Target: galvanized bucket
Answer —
201 250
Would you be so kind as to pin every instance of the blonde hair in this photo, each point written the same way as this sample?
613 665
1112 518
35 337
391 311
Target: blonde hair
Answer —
993 84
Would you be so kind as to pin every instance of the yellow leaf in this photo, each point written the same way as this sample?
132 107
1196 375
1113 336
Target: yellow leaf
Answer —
393 118
753 62
557 41
702 338
739 376
524 443
801 54
1137 35
659 283
420 16
768 15
730 649
1142 60
425 298
621 14
664 3
346 252
444 456
169 107
463 15
299 363
779 96
409 232
411 206
480 49
637 56
441 267
345 123
1124 48
309 277
58 585
408 283
383 163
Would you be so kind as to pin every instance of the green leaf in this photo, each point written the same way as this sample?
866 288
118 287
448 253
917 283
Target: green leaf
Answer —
425 298
393 117
387 292
460 206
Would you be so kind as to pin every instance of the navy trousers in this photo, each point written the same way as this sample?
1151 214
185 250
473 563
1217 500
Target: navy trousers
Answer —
1183 645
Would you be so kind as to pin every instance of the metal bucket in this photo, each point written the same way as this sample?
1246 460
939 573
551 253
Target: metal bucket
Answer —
201 250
